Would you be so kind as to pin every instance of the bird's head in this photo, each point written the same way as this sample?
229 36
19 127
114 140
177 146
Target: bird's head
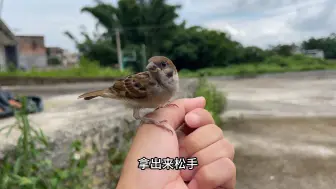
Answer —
164 71
161 65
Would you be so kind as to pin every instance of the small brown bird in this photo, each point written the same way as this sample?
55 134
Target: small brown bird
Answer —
152 88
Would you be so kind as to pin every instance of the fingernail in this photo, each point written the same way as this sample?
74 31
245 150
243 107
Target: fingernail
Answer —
193 184
193 119
199 97
201 100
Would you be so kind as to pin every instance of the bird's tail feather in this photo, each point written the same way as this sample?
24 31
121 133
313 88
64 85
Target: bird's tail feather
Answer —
94 94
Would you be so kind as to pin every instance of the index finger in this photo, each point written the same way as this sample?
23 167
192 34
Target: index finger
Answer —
175 114
158 142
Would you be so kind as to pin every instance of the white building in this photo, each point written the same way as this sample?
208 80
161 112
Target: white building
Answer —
8 48
316 53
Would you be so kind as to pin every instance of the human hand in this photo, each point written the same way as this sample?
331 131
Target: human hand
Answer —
200 138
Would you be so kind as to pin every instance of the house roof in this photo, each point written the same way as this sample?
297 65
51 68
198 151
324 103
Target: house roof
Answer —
6 35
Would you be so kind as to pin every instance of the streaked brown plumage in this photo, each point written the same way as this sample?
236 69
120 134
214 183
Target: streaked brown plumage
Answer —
150 89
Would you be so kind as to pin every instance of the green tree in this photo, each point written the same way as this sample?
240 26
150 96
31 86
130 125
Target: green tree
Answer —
195 47
152 22
284 49
251 54
99 49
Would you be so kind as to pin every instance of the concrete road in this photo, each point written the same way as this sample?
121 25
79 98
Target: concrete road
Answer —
277 153
284 141
285 137
286 97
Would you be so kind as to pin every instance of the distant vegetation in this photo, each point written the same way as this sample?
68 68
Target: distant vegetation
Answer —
272 64
195 50
153 23
85 68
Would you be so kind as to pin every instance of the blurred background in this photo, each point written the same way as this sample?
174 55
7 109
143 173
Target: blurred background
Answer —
266 68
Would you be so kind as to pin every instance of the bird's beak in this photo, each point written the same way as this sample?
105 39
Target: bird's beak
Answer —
152 67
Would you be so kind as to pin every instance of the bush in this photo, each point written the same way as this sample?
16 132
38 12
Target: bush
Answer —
54 61
216 102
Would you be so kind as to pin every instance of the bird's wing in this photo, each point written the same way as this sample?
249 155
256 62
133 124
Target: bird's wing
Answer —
133 86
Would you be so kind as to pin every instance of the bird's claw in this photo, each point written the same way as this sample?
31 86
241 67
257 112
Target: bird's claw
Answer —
167 105
163 126
162 121
159 124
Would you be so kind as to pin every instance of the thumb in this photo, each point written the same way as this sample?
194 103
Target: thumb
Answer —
155 141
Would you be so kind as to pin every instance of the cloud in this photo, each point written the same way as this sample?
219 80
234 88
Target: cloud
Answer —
252 22
48 18
285 22
316 18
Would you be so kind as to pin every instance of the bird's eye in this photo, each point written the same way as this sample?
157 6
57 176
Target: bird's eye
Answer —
164 64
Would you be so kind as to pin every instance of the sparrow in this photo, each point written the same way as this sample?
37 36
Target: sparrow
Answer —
152 88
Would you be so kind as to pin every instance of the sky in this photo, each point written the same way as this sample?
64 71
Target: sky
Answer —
252 22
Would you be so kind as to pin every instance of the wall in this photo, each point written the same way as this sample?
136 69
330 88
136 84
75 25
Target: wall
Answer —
33 60
7 39
92 122
32 52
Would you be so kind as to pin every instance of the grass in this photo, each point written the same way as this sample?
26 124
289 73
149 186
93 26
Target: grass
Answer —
86 68
274 64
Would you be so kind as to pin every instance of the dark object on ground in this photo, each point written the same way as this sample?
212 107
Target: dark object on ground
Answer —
34 104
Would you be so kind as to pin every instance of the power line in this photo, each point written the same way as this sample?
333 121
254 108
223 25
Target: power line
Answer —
143 27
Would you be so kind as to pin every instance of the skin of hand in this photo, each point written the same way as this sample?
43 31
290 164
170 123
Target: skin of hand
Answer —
150 89
201 139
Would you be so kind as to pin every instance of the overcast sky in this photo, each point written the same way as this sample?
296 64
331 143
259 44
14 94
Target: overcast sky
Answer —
252 22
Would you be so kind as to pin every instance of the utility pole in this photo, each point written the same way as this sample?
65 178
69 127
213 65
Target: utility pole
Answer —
119 53
144 56
1 7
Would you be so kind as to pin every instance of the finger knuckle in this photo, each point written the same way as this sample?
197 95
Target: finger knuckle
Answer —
229 148
230 166
205 173
215 129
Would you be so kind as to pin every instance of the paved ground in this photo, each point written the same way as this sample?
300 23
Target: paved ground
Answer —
279 153
280 97
285 140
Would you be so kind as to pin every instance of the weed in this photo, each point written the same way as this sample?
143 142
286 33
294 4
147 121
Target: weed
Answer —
27 166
